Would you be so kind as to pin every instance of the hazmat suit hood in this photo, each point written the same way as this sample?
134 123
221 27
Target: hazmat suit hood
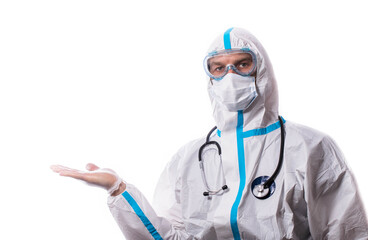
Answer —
264 110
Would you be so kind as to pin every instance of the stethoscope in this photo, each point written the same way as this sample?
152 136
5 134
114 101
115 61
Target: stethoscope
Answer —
262 187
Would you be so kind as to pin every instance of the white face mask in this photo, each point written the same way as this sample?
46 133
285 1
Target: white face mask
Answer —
235 92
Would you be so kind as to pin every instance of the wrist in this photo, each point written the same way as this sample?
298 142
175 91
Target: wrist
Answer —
120 190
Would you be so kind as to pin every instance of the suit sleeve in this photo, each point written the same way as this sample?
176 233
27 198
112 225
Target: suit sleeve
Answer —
138 220
335 209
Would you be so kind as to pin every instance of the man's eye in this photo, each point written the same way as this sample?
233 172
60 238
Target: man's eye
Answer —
219 69
243 65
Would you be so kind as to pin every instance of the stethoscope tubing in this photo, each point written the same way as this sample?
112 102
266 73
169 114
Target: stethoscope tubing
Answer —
263 186
268 183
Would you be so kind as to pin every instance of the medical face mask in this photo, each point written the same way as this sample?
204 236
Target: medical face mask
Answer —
234 91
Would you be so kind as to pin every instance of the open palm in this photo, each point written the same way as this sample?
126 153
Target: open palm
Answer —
101 177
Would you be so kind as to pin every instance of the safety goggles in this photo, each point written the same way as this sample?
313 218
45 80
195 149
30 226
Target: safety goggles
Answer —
241 61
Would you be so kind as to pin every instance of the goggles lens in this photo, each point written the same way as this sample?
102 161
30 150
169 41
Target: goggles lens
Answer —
243 62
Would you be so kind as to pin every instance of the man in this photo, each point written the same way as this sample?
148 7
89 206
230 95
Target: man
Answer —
260 176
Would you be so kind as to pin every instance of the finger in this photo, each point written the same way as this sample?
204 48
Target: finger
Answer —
97 178
59 168
73 174
92 167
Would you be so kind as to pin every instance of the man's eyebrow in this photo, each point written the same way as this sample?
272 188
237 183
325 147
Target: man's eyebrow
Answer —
248 58
245 58
215 63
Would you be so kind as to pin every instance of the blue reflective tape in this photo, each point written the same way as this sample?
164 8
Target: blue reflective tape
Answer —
227 43
152 230
240 135
262 131
242 174
218 133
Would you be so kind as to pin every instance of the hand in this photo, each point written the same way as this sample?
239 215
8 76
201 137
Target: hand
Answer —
105 178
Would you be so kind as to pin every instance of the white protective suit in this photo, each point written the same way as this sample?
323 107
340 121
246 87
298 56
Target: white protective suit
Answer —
316 196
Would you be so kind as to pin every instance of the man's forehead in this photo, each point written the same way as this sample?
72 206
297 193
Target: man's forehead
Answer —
230 57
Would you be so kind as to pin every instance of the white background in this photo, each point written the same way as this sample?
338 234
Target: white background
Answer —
120 84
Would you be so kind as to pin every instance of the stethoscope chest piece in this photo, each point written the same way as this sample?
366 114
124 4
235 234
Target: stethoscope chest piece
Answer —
259 189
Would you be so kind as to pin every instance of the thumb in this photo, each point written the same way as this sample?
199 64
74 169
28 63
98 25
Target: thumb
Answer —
91 167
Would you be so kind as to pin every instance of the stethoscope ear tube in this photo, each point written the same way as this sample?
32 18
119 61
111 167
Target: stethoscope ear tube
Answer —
210 133
223 188
201 166
206 144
